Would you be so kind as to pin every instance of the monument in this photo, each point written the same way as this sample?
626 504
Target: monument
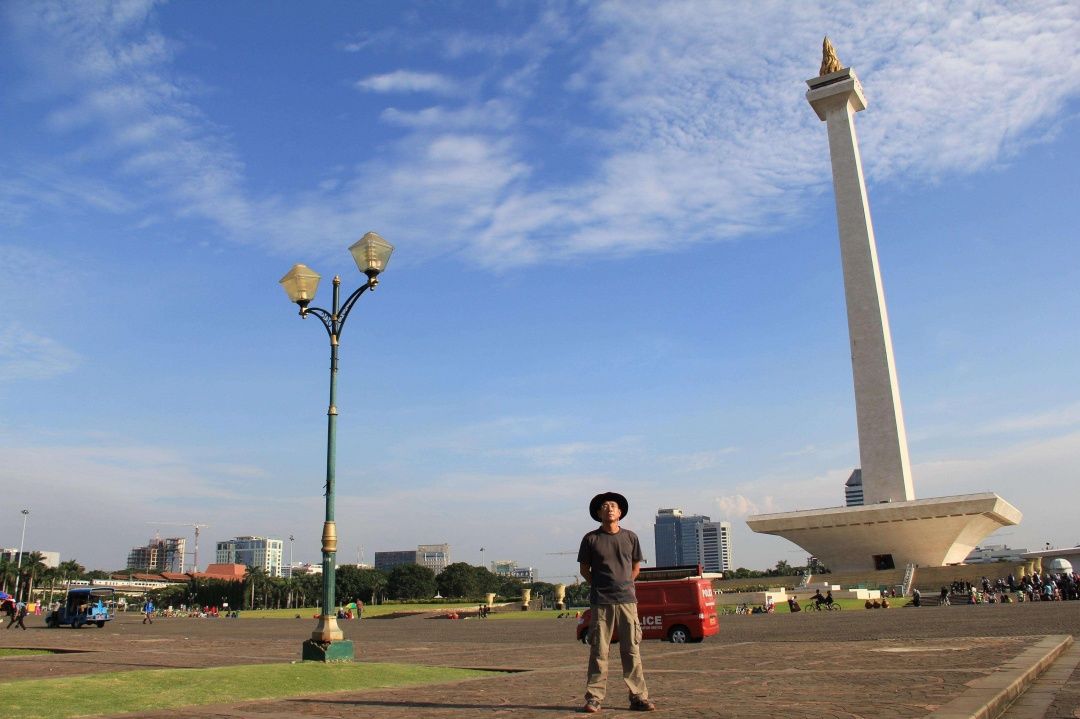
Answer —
893 528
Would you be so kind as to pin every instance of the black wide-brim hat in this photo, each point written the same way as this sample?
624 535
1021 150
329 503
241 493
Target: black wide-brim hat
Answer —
594 505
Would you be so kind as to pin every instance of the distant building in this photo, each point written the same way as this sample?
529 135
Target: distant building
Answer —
435 557
853 494
158 555
301 568
252 552
995 553
692 539
385 561
50 559
510 568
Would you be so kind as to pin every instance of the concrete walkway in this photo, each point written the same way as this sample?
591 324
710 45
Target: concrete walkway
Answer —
947 662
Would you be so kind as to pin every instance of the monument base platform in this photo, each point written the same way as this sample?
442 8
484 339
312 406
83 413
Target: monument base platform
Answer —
925 532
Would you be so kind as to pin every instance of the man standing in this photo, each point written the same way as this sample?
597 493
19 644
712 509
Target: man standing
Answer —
610 559
148 612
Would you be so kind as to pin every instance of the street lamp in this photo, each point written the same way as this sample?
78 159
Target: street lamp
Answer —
18 567
371 253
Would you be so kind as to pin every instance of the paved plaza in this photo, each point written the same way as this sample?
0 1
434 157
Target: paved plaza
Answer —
934 661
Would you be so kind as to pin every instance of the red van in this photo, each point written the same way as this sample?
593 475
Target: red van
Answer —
678 610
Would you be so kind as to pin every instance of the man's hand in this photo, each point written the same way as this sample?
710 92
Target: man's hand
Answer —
586 571
635 571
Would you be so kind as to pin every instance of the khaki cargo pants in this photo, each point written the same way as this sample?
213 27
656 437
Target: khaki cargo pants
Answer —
606 617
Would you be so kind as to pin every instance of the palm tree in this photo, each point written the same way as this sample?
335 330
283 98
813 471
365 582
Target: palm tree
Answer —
255 577
70 569
8 574
32 569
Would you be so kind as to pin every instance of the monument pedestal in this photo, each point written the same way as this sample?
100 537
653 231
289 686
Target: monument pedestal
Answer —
925 532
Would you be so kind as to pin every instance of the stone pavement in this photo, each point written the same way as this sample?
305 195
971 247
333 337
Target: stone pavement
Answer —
900 662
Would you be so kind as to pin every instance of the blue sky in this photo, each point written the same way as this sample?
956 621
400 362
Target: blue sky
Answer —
617 266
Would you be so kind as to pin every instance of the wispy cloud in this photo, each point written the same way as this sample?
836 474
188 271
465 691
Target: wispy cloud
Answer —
408 81
697 130
25 354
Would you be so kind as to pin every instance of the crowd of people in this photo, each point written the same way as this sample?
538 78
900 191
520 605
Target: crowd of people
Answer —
1047 587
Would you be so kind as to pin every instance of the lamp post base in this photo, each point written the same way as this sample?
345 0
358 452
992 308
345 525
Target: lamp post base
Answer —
339 651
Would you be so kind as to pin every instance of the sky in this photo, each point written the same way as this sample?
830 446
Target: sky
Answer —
616 267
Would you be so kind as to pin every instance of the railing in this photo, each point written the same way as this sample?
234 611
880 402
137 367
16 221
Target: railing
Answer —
909 578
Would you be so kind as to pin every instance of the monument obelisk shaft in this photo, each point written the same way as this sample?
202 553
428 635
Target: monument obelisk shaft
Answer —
883 451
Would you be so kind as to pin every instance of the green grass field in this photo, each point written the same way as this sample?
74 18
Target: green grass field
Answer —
173 688
371 610
847 605
22 652
542 614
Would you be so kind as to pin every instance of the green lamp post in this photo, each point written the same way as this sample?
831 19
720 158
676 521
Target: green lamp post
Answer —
371 252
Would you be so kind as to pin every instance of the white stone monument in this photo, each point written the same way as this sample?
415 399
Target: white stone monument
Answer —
893 529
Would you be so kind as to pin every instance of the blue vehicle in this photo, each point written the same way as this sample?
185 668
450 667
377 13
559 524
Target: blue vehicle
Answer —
83 605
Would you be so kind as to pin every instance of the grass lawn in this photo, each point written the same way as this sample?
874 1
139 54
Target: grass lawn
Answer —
847 605
370 610
172 688
542 614
22 652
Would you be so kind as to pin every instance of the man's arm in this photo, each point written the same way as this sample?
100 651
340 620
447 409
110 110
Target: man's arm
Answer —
635 571
586 571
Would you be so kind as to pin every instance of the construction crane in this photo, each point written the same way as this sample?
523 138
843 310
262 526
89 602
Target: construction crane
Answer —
197 527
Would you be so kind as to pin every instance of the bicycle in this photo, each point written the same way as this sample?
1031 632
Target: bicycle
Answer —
823 607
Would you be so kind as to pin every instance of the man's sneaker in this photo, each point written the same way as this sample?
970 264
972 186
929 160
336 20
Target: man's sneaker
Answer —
591 706
641 705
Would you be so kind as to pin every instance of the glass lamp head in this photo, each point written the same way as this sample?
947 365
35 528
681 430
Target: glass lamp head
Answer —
300 284
371 253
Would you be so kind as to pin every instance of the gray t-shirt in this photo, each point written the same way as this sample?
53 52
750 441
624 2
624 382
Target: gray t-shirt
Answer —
611 557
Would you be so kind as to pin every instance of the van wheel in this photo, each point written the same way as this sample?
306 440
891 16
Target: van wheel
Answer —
679 635
100 625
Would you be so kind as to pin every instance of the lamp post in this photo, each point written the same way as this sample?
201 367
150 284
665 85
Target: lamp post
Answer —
371 253
22 541
291 539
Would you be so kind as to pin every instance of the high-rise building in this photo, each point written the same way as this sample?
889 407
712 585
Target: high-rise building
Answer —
853 491
435 557
49 559
158 555
691 539
252 552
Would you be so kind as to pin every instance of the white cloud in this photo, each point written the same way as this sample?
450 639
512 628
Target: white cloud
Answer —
408 81
693 125
737 506
25 354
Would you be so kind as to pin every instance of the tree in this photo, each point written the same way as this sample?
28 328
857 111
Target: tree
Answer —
254 578
509 587
359 583
545 591
33 567
577 595
411 581
70 569
459 580
8 575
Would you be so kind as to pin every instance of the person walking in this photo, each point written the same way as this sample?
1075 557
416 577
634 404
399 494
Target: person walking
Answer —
18 616
148 612
610 559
